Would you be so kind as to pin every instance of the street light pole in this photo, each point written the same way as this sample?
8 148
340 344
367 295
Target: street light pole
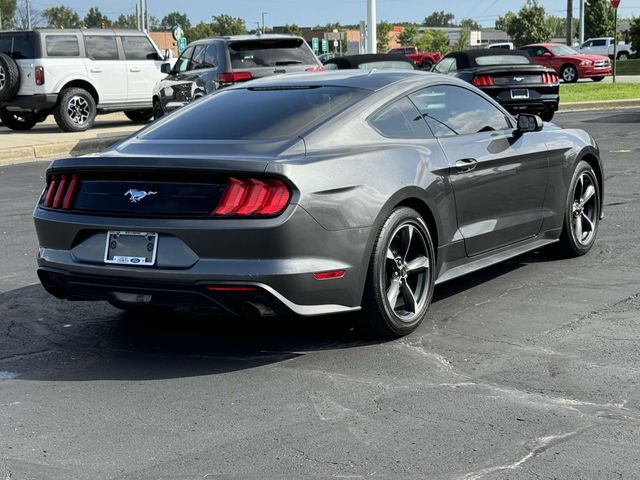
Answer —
372 31
581 22
29 26
263 14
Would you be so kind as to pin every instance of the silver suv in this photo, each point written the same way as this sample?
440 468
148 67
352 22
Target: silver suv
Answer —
75 75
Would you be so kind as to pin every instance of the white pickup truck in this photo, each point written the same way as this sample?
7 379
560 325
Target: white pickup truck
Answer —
605 46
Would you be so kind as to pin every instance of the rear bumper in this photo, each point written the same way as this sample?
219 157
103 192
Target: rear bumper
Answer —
526 106
31 103
278 256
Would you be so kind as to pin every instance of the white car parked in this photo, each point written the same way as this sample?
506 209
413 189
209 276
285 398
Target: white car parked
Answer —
76 75
605 46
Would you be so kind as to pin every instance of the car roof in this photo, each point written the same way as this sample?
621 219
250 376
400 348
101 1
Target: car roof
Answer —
242 38
467 58
89 31
352 61
373 80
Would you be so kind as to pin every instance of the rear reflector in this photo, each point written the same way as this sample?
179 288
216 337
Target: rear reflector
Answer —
231 288
482 81
251 196
61 191
39 71
329 275
233 77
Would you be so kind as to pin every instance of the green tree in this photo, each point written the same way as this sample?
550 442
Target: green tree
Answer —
409 35
529 25
201 30
61 17
94 18
598 19
502 23
383 30
439 19
126 21
634 35
228 25
8 9
175 18
469 24
463 41
330 27
292 29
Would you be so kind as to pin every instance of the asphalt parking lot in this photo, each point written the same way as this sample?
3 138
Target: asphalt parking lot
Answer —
528 370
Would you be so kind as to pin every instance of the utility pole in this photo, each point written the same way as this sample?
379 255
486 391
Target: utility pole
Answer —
146 15
581 22
0 19
372 27
29 26
569 22
263 14
138 17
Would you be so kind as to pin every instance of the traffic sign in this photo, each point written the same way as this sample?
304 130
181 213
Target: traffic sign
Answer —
325 46
315 44
615 4
182 44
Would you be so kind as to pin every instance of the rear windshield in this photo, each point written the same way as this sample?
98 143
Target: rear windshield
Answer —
256 113
503 60
391 65
271 53
17 45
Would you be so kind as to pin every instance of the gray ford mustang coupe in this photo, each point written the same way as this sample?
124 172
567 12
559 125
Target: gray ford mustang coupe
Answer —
344 191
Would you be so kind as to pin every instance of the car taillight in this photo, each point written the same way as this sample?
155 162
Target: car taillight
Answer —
482 81
233 77
318 68
549 78
251 196
39 75
61 191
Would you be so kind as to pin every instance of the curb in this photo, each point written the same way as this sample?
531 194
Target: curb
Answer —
602 105
34 153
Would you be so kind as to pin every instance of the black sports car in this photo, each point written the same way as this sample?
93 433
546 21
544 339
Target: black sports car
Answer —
370 61
345 191
510 77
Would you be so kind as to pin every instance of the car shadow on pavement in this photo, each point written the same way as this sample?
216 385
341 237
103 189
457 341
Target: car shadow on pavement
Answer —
42 338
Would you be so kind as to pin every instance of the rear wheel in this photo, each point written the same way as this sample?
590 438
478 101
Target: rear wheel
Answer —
19 121
569 74
75 111
426 65
157 109
140 115
597 79
401 276
547 116
582 212
623 56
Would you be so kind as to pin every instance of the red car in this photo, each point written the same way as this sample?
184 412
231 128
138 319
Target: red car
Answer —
568 63
422 60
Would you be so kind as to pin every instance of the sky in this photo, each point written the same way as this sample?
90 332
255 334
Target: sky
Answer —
313 12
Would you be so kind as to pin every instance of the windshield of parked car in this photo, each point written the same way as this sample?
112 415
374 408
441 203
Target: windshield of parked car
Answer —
257 113
270 53
503 60
562 50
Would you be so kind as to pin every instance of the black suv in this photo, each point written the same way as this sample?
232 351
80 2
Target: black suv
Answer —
210 64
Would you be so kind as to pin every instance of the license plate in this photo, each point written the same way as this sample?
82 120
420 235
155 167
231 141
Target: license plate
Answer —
519 94
131 248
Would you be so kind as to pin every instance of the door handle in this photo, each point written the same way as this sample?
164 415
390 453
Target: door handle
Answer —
466 164
96 70
135 69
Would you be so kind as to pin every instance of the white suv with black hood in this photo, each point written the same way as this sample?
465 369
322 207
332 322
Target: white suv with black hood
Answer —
76 75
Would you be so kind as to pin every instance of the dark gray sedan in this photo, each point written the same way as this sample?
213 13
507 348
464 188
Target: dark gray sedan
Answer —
314 194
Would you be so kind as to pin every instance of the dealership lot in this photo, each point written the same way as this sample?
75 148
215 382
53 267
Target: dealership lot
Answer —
528 369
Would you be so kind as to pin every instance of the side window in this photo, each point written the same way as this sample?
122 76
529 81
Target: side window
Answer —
202 57
138 48
446 65
182 65
17 45
401 119
211 56
587 44
62 46
451 110
600 43
101 47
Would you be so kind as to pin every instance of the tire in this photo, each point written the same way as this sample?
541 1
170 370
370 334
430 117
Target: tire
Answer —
19 121
582 212
597 79
391 282
426 65
75 111
157 109
9 78
546 116
623 56
140 115
569 74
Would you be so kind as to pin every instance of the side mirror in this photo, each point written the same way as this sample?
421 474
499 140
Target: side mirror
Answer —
547 54
529 123
165 68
